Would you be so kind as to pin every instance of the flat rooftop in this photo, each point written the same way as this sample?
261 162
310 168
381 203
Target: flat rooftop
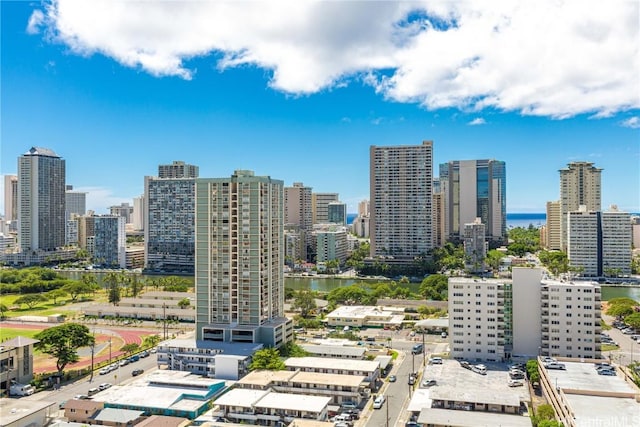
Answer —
13 410
328 379
459 384
599 411
471 418
583 376
264 377
334 350
241 397
163 389
332 363
294 402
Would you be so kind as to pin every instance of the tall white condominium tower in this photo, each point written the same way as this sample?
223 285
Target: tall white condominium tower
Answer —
579 186
239 260
169 230
178 169
401 221
496 320
10 198
41 200
475 189
599 243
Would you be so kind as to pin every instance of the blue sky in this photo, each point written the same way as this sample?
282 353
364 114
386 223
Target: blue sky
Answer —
301 92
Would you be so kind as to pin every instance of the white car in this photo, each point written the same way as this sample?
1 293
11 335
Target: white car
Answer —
377 404
515 383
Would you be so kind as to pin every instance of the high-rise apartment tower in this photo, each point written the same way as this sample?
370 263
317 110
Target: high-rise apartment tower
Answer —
401 218
41 200
239 260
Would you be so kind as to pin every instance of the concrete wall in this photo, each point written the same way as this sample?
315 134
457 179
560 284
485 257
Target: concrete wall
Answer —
526 310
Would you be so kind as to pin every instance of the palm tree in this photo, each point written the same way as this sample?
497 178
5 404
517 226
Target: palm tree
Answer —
3 309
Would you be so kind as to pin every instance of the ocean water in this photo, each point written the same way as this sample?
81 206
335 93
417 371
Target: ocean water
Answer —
513 219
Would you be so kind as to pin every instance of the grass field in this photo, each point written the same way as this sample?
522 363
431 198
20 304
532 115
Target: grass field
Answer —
45 308
10 333
608 347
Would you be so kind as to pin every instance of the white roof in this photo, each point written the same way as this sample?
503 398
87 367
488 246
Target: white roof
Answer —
460 395
242 397
471 418
334 350
294 402
332 363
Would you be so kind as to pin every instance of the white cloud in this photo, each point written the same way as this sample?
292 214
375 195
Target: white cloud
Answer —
477 121
547 58
631 122
36 20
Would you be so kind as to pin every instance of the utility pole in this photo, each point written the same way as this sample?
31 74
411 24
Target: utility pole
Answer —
164 321
424 351
109 351
93 350
387 404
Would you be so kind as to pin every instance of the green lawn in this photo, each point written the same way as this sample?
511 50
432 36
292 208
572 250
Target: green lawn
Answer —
9 333
41 309
604 326
608 347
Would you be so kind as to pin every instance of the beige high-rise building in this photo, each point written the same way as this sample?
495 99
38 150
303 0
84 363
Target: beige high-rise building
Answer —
579 186
239 275
320 206
439 212
298 217
401 179
10 197
553 228
363 208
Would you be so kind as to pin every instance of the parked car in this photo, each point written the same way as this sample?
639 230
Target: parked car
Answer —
555 365
93 391
104 371
465 364
479 369
81 397
548 359
429 383
392 378
435 360
378 402
514 383
412 380
104 386
137 372
609 372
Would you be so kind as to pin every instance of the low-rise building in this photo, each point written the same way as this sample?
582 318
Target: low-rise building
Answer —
82 411
366 316
220 360
261 407
340 351
170 393
22 412
370 370
118 417
16 361
340 388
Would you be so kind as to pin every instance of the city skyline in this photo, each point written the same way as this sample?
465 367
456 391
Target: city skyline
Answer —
275 108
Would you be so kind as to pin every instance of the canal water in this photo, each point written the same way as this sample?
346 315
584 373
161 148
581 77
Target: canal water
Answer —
322 284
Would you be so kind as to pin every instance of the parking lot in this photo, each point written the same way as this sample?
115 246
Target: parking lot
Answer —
450 375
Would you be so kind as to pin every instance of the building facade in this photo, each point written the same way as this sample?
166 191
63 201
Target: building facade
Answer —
138 213
320 206
599 243
239 274
475 189
41 200
331 244
401 196
178 169
169 220
10 197
475 246
124 210
580 185
554 226
337 213
498 320
298 216
110 240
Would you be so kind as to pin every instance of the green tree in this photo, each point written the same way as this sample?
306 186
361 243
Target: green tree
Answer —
77 288
3 310
30 300
523 240
289 293
545 412
633 320
184 303
62 342
532 371
494 257
56 294
434 287
550 423
130 348
305 302
620 310
332 265
267 358
135 286
555 261
113 287
291 349
151 340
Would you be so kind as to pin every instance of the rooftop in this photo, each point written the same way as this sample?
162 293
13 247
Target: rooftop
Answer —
332 363
19 341
328 379
294 402
241 397
120 416
471 418
265 377
14 410
334 350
